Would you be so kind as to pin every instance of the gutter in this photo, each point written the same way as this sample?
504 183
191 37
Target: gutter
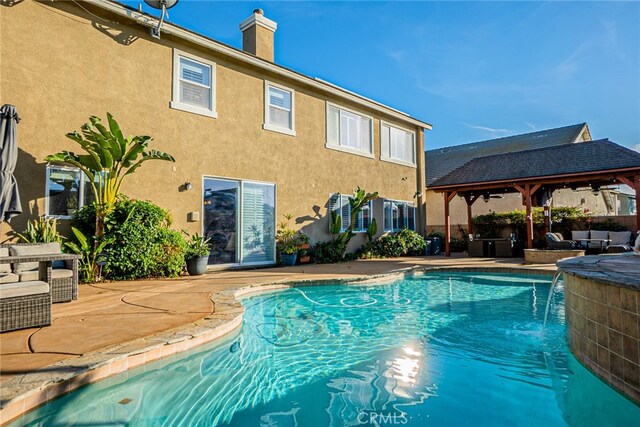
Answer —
182 33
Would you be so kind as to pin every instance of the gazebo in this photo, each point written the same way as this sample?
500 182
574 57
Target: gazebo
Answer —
536 173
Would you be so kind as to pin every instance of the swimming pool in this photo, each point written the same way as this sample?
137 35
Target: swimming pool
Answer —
434 349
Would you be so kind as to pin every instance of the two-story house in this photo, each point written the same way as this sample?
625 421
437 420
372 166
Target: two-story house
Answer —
252 140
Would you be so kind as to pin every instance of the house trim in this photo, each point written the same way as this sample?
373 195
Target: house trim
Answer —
172 29
268 126
175 103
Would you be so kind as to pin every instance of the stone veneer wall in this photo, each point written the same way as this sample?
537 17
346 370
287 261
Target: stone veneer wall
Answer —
603 331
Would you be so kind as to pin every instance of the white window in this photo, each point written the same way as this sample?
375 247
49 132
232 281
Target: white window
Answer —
67 190
397 145
279 106
193 84
341 207
349 131
398 215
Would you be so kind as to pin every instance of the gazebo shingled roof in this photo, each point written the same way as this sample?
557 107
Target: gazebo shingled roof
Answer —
591 163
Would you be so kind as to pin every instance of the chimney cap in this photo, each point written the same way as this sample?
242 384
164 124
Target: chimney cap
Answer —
258 18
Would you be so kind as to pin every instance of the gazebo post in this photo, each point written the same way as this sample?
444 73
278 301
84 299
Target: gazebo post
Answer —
448 196
527 192
529 216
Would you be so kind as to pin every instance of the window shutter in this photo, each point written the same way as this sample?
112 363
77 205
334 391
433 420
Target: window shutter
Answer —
410 150
279 107
402 215
384 141
333 125
349 131
365 134
346 211
411 218
366 216
387 214
334 208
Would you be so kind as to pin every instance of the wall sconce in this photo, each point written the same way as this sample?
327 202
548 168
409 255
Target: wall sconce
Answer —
418 194
187 186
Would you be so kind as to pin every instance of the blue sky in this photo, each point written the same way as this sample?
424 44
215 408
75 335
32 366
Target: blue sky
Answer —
475 70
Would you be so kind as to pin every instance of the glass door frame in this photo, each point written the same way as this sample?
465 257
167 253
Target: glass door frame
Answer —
240 233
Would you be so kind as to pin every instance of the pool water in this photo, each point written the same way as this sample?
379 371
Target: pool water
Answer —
440 349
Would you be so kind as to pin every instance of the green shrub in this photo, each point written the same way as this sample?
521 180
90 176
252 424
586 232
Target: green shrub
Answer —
458 245
328 252
414 243
495 224
141 242
169 255
389 246
608 224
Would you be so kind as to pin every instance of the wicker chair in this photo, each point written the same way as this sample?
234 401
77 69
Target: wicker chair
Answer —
556 241
27 304
64 288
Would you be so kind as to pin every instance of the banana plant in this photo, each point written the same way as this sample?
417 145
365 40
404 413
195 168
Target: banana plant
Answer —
88 271
107 160
372 230
358 201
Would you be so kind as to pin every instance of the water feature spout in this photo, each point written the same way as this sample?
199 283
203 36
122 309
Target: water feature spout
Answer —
556 277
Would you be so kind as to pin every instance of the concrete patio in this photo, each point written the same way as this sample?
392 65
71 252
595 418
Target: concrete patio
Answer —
121 315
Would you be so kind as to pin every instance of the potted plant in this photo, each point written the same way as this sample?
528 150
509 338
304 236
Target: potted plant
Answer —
287 242
304 244
197 254
303 256
72 204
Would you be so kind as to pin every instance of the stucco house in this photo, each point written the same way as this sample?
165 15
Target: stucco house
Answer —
252 139
442 161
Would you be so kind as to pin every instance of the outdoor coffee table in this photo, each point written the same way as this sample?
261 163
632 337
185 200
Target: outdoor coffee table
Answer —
603 243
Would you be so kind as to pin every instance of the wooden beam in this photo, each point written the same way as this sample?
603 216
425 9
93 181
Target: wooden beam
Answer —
584 177
447 222
534 189
625 181
451 195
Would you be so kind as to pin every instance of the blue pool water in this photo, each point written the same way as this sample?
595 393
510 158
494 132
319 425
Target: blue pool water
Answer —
437 349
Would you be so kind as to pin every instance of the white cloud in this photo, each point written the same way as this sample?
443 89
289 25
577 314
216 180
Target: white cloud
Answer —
494 132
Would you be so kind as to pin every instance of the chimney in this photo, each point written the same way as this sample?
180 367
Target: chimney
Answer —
257 35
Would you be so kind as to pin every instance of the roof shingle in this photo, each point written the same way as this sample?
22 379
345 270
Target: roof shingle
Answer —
590 156
441 161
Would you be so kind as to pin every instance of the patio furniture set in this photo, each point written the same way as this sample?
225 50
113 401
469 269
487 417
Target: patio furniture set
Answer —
32 277
595 241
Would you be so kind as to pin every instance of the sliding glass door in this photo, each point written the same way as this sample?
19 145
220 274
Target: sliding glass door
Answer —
239 218
258 223
220 208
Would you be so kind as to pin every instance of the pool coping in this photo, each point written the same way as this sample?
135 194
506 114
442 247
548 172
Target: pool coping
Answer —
22 394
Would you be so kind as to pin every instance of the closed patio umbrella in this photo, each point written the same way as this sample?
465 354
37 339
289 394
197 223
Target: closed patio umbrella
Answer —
9 197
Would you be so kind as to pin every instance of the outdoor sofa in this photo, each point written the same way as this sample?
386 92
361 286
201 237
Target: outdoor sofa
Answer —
64 274
27 303
621 241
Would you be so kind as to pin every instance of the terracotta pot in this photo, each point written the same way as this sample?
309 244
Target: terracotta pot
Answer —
305 259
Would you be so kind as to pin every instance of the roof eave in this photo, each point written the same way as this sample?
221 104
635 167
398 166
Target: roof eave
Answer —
200 40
